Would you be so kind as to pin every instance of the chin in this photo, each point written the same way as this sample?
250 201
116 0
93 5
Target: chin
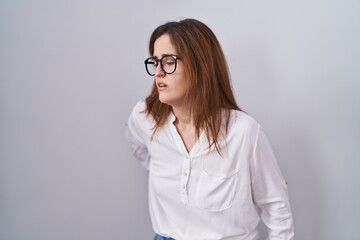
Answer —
164 100
167 101
170 100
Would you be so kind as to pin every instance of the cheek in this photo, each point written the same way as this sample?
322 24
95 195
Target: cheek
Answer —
182 87
180 82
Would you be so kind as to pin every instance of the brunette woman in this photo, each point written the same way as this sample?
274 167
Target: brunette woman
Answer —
211 167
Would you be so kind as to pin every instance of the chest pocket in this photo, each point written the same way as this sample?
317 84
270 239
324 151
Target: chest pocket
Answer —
217 184
215 193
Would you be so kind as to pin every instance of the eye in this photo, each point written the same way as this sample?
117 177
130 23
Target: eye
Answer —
169 61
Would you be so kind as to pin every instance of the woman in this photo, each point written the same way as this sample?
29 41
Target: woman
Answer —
210 165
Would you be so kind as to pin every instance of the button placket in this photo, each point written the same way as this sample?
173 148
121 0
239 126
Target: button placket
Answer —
185 179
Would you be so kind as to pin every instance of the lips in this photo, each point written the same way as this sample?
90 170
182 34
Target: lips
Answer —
161 86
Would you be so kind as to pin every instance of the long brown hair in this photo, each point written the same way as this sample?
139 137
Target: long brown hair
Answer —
209 97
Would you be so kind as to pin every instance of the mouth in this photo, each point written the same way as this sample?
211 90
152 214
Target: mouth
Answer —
161 86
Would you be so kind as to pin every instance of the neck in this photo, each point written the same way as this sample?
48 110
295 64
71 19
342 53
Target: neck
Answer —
185 127
183 117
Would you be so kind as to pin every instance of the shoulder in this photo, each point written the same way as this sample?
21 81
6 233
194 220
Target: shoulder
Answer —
242 120
139 116
139 111
243 125
140 107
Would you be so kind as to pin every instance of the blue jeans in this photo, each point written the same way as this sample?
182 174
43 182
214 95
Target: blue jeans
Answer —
158 237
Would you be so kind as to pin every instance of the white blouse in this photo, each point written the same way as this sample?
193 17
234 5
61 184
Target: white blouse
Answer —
200 195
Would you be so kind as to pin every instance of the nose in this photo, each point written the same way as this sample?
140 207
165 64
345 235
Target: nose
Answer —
159 72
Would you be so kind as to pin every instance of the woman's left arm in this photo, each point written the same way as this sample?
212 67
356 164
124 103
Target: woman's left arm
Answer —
270 191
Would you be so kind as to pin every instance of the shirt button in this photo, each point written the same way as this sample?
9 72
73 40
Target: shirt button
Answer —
185 173
183 186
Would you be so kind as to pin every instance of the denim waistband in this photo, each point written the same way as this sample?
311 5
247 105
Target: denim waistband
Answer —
158 237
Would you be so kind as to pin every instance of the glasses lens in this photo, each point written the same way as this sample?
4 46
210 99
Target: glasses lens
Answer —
150 64
169 64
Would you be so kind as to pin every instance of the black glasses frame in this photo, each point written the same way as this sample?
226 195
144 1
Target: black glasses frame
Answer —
157 61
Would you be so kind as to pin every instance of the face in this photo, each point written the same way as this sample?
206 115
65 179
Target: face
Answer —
171 87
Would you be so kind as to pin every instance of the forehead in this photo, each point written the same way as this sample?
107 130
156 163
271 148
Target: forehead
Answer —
163 46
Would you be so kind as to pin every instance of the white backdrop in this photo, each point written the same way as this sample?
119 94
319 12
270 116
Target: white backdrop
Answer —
70 72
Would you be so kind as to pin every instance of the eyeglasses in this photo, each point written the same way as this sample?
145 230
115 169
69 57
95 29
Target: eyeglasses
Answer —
167 63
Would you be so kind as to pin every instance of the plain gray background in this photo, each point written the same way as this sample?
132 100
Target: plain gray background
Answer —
71 71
